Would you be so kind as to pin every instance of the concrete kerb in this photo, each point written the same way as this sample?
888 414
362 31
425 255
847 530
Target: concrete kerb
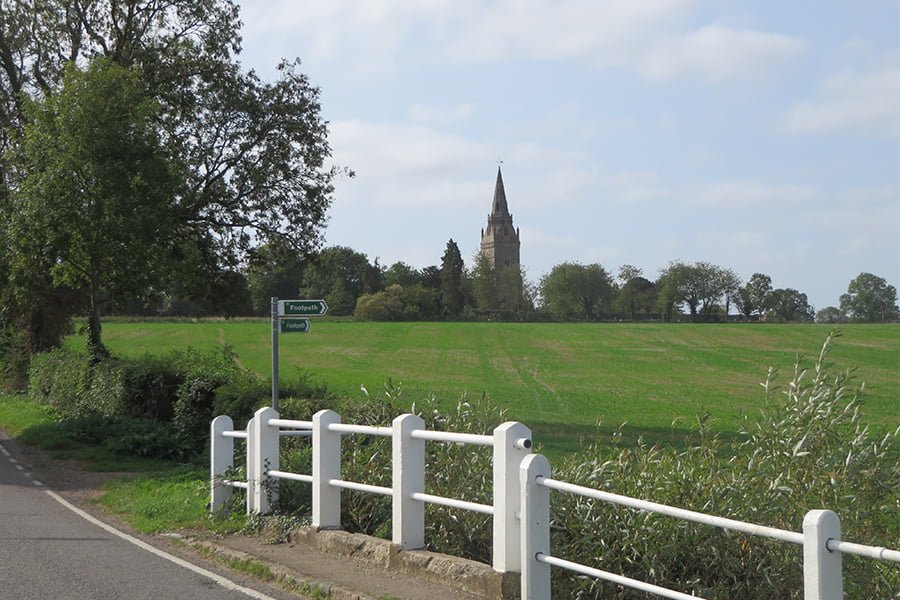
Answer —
467 576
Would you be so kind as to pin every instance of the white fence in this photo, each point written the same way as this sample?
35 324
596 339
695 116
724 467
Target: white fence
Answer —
521 498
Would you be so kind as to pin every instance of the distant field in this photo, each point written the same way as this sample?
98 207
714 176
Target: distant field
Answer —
558 378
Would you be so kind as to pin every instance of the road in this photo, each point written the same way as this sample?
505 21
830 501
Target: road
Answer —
51 549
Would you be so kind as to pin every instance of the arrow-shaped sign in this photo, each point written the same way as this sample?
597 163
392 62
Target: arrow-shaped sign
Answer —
293 325
302 308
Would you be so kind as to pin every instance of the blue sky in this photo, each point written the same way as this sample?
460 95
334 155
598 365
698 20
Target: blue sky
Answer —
761 135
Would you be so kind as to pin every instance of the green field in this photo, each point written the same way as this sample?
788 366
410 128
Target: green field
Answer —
559 379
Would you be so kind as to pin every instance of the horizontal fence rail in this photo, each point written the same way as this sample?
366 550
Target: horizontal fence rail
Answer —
821 538
510 443
520 511
671 511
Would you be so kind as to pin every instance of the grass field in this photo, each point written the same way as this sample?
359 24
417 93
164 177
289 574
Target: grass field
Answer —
560 379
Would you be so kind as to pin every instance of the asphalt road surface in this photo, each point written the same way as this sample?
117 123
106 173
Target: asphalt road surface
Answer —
50 549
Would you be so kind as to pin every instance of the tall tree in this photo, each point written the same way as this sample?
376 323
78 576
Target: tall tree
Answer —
251 154
452 295
340 275
485 287
401 273
576 291
870 298
96 196
274 269
755 296
790 305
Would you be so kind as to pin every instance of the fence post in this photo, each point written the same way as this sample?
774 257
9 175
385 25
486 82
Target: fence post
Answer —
326 465
252 478
822 578
265 458
512 443
221 458
408 475
535 527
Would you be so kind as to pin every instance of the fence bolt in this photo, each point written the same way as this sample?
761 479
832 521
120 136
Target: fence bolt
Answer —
512 443
326 465
408 518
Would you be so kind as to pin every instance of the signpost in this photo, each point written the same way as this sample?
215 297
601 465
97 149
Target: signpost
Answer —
288 316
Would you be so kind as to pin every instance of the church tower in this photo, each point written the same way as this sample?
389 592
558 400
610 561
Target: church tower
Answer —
500 240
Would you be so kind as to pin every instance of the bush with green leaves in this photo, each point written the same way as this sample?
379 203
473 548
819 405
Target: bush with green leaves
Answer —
808 449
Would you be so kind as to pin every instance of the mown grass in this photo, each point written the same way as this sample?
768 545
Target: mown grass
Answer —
561 379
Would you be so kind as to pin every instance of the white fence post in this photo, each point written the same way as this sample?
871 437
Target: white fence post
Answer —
822 577
265 458
252 478
512 443
535 527
326 465
221 458
408 474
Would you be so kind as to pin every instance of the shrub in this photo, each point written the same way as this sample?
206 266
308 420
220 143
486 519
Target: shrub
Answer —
808 449
67 382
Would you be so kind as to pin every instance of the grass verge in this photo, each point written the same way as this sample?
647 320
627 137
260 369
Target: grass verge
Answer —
159 495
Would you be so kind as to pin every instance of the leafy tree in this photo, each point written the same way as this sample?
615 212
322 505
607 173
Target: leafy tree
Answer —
430 277
402 274
251 154
831 315
755 296
484 283
451 291
870 298
397 303
670 290
96 196
637 295
576 291
274 269
340 275
729 282
790 305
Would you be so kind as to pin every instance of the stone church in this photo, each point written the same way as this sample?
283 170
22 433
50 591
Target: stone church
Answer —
500 240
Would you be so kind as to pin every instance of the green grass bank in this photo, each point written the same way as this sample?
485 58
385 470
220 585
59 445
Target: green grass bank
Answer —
561 379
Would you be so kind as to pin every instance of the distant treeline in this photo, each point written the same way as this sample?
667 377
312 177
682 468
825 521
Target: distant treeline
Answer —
354 286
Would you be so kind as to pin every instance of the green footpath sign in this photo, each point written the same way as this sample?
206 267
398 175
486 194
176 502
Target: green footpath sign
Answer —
294 325
302 308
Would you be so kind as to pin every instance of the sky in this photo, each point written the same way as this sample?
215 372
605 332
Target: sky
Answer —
759 135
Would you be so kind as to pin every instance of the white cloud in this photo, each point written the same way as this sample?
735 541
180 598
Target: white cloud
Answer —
868 103
715 52
441 115
412 165
646 36
746 195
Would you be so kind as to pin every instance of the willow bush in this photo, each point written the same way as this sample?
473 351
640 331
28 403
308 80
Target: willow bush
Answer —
809 448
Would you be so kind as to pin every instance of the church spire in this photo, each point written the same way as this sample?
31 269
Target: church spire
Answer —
499 207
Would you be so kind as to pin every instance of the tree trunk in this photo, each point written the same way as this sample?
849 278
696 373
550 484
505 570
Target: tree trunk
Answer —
97 352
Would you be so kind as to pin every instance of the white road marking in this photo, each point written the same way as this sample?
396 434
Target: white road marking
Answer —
224 582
